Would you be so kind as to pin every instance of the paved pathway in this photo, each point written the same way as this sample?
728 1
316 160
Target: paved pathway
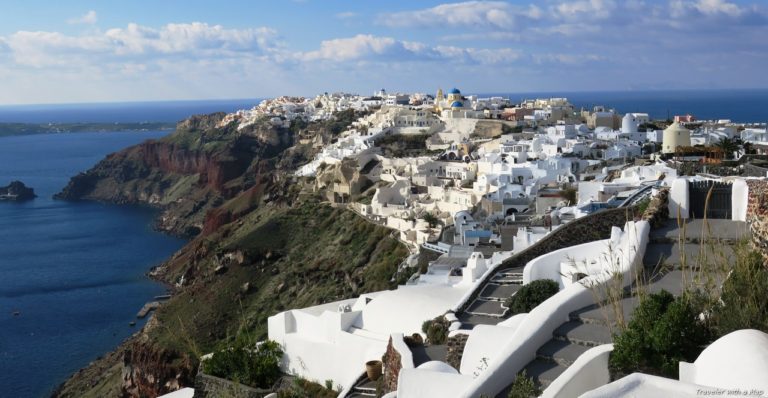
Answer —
364 388
588 327
592 326
490 301
703 241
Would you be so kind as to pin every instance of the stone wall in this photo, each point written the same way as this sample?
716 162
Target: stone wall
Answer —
750 170
757 214
391 365
207 386
595 226
657 212
455 346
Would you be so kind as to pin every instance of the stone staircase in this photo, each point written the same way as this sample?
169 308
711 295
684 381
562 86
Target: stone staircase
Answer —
701 242
585 329
592 326
364 387
490 301
589 327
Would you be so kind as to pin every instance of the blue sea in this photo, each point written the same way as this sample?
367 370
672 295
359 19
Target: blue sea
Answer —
73 271
119 112
743 106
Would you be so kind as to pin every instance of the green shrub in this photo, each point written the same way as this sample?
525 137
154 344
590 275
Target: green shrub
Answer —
523 387
742 304
431 219
664 331
436 330
302 388
531 295
256 366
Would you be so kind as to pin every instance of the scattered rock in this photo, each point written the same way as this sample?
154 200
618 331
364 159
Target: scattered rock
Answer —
16 191
220 270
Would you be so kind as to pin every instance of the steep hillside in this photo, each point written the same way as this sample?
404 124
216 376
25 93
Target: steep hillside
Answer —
267 244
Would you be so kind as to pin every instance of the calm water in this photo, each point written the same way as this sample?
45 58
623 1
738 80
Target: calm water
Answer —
745 106
124 112
74 271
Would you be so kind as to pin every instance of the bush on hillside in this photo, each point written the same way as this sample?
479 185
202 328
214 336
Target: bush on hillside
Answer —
256 366
302 388
436 330
664 331
742 304
531 295
523 387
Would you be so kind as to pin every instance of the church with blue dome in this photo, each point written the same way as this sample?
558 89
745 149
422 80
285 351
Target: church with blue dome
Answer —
453 105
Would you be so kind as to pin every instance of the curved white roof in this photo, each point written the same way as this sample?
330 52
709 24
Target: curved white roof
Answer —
675 127
405 309
736 360
438 366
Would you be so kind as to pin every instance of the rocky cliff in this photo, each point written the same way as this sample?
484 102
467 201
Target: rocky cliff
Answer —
16 191
186 174
263 242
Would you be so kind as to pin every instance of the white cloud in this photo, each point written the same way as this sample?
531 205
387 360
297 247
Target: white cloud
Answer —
353 48
387 49
585 9
496 36
567 59
89 18
196 40
470 14
710 8
346 15
188 38
713 7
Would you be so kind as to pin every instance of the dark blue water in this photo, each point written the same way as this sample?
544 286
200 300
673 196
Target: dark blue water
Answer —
744 106
74 271
123 112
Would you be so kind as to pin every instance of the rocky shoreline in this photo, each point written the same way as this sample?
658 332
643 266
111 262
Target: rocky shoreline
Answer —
16 191
230 190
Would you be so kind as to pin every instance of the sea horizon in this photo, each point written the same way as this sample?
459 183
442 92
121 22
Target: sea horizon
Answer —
738 105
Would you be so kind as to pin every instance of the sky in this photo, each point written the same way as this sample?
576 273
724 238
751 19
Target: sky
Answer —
141 50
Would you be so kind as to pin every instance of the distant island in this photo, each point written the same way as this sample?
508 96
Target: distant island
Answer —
16 191
8 129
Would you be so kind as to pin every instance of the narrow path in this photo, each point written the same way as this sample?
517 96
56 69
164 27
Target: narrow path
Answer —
489 303
595 325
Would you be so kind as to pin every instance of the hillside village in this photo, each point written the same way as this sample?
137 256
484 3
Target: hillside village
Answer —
492 196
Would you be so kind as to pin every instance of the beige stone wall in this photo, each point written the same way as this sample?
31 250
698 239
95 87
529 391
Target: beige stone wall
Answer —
757 214
391 365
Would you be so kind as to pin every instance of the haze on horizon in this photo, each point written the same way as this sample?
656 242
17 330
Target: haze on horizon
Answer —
92 51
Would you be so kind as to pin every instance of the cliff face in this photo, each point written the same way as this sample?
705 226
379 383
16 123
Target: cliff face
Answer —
267 244
186 174
16 191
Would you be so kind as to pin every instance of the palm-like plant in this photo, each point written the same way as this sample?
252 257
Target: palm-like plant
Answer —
728 146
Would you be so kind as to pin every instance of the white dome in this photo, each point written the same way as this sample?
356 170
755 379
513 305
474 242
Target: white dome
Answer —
629 124
675 136
736 360
677 127
462 216
438 366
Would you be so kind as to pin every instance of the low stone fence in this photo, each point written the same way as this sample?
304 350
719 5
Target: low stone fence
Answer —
397 356
455 345
750 170
207 386
592 227
657 212
757 214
